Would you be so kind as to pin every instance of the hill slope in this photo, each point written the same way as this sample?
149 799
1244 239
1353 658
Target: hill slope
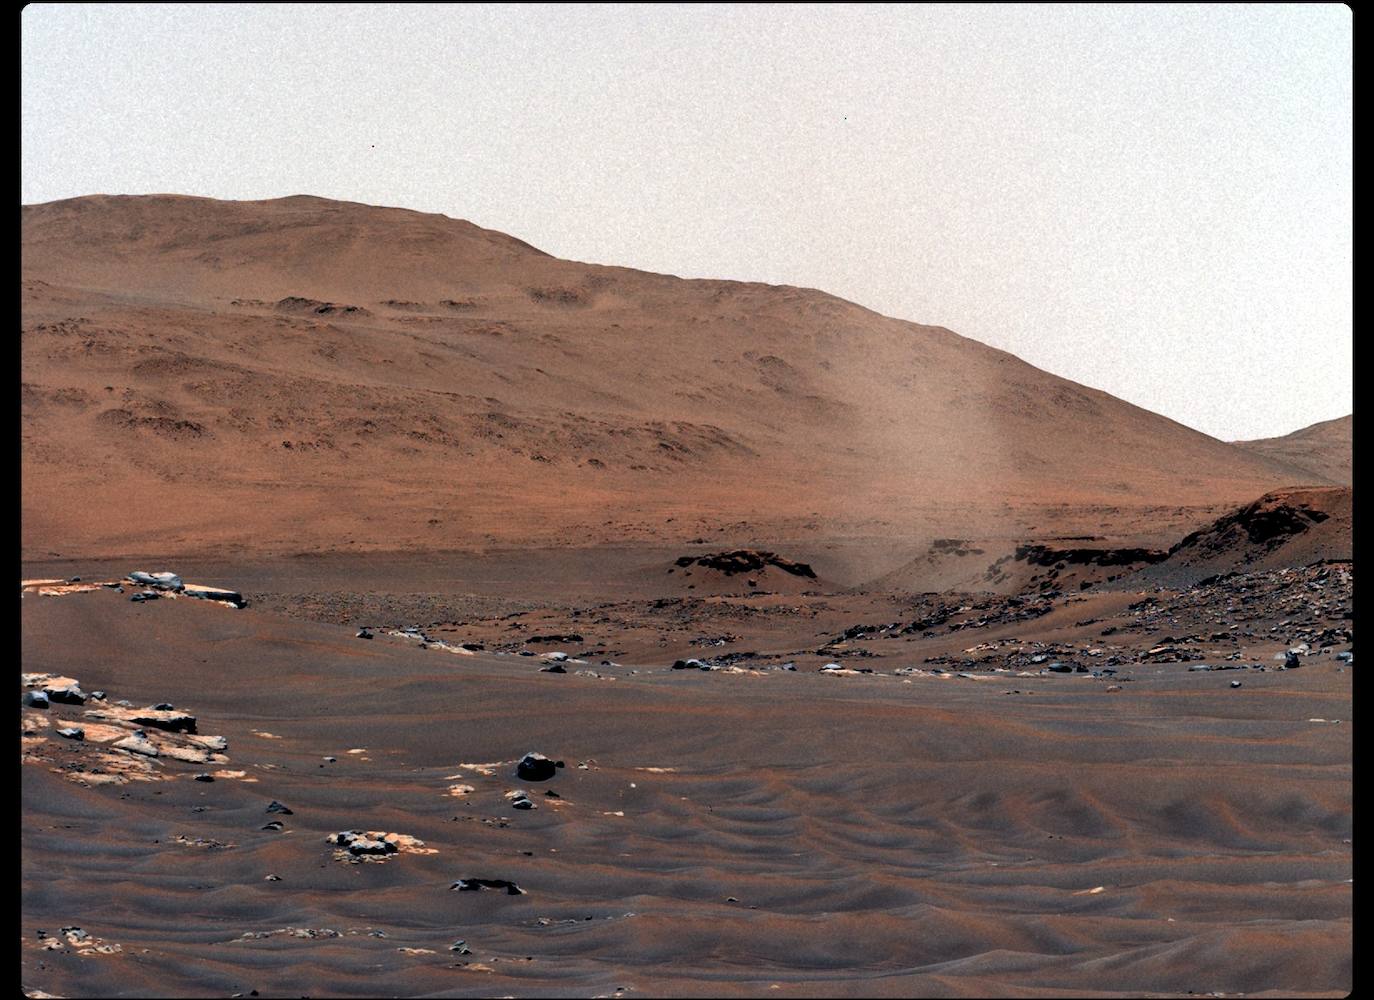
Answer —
1325 449
301 374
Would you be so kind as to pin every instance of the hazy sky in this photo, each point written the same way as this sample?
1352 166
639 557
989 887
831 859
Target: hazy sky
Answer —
1154 201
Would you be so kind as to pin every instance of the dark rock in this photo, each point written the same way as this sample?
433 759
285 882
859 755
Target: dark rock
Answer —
1235 684
1291 661
276 825
747 561
205 777
357 843
145 595
172 722
277 807
35 699
1060 668
164 707
73 733
554 668
364 634
476 884
535 767
72 695
97 695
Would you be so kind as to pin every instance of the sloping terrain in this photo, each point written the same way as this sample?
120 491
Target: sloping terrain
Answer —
307 375
1326 449
1285 529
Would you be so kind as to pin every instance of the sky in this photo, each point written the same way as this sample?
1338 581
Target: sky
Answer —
1155 201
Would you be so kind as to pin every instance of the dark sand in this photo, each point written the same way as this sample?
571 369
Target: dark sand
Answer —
880 834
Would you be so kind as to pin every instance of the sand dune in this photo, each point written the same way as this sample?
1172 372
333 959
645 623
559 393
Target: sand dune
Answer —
713 834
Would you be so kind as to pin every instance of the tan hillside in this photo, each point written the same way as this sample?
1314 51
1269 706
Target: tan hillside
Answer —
1325 449
301 375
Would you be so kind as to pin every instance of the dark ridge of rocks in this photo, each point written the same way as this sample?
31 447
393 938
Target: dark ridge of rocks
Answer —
1043 555
738 561
477 884
954 547
570 637
1269 521
297 304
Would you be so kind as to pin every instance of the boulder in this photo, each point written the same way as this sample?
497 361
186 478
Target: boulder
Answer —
364 846
535 767
69 695
35 699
